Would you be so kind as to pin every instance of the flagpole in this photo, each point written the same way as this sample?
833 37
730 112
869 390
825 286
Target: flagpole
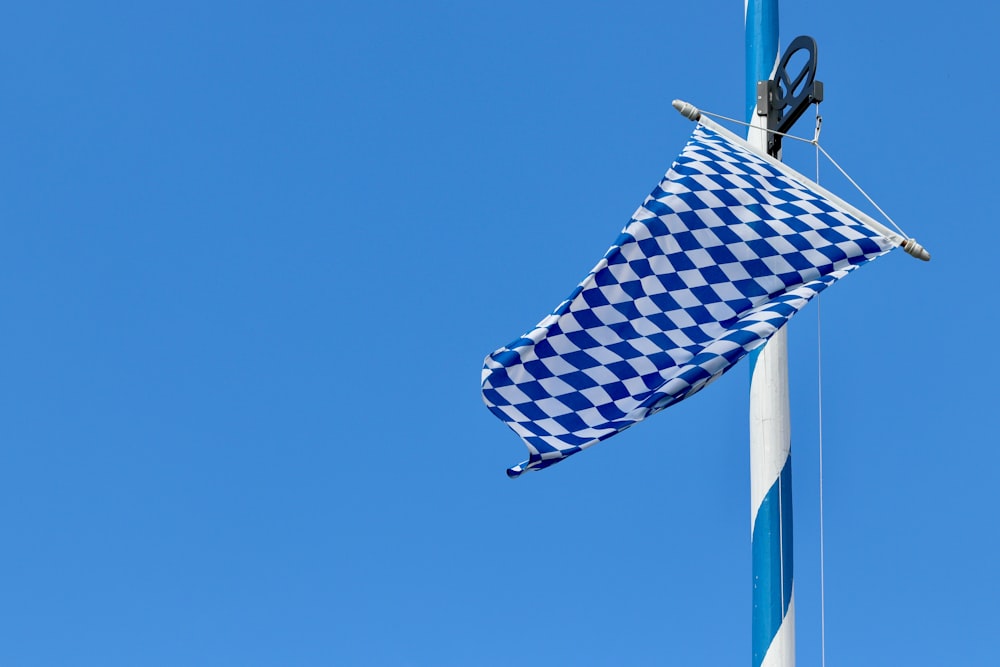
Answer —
773 616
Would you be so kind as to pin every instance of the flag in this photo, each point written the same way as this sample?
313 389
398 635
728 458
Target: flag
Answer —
726 248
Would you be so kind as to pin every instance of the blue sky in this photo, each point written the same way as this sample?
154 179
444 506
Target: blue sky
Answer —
255 253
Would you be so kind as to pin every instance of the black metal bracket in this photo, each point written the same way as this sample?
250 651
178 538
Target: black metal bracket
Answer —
784 99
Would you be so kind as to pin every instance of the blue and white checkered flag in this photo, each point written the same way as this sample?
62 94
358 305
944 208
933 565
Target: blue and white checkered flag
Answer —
725 249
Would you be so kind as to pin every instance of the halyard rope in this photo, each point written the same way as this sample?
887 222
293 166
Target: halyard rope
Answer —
819 391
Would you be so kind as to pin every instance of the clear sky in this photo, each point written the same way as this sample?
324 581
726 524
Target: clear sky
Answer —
255 253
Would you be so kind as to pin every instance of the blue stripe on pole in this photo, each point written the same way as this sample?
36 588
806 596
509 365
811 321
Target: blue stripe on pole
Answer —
761 47
753 357
786 535
772 563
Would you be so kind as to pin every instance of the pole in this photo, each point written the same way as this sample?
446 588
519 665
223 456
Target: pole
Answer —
773 617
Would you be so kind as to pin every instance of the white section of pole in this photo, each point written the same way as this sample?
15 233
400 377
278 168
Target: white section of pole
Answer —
770 422
757 133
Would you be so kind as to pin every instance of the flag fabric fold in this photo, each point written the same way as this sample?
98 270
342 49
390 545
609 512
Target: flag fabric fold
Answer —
721 254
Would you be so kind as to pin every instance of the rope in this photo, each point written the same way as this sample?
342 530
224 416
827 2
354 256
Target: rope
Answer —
822 546
819 391
746 124
870 200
